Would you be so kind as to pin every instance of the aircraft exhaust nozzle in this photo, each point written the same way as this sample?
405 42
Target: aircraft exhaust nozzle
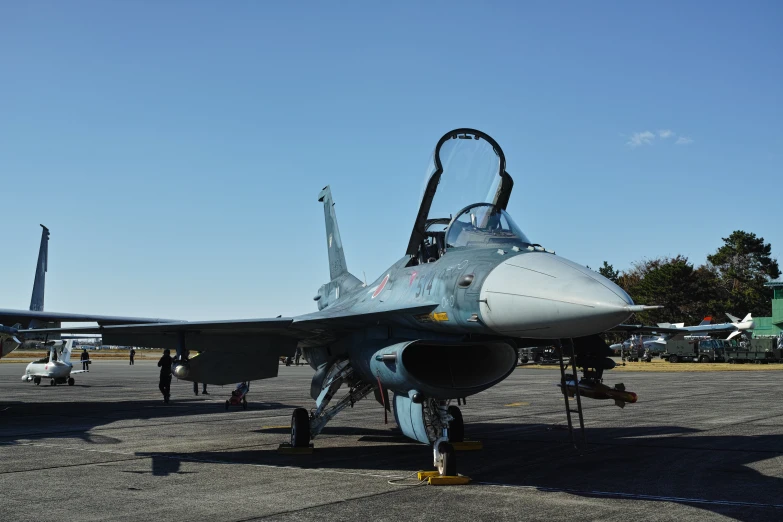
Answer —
180 370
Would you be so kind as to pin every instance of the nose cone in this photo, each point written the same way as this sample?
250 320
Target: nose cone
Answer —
543 296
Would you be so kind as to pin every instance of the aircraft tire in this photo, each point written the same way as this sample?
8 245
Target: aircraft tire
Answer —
447 464
37 381
457 426
300 428
71 381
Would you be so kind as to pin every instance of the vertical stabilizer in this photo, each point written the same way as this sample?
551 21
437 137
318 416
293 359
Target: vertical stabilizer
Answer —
66 350
334 244
37 300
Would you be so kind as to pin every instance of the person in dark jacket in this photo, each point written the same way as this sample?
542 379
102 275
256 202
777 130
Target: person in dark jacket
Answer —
85 358
203 388
132 355
165 375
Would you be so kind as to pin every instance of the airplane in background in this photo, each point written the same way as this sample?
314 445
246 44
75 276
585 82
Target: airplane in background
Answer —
653 343
666 331
443 322
56 367
36 317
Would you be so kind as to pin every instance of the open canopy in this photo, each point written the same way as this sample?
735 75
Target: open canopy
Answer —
467 190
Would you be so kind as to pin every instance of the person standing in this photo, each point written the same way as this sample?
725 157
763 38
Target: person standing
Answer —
203 388
85 358
165 375
132 355
297 355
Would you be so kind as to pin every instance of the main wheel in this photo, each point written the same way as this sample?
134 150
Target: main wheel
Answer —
300 428
456 426
71 381
37 381
244 403
673 359
447 462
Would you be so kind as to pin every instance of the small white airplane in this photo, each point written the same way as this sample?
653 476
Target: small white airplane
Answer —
56 366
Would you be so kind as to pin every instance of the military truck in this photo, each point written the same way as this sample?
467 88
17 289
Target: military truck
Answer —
759 350
694 350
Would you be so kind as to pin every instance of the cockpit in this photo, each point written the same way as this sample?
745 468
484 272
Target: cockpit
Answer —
467 172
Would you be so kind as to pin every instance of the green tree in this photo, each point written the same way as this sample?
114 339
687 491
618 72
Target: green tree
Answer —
744 264
609 272
672 283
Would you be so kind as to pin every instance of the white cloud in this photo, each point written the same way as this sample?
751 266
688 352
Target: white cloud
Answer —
683 140
665 133
641 138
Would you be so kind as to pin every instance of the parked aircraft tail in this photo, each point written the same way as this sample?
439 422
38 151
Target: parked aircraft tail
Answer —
340 277
707 320
60 350
37 299
334 244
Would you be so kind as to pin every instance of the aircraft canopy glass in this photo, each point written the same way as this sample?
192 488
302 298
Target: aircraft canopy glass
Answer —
471 174
482 224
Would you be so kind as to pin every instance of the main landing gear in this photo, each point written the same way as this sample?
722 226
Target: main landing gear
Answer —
436 421
306 426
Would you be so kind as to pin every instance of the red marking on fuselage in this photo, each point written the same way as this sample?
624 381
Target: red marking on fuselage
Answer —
380 287
413 276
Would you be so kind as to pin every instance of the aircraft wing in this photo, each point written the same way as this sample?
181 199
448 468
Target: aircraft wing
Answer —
643 329
671 330
9 317
79 371
279 335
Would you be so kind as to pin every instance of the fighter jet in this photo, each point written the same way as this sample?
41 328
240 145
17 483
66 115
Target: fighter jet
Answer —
55 367
441 323
36 317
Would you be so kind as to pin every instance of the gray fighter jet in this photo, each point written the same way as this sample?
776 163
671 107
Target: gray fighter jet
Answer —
441 323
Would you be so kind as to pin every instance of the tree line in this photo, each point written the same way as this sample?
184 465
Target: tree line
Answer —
731 281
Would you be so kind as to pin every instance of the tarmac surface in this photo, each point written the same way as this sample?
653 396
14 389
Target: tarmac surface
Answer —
697 446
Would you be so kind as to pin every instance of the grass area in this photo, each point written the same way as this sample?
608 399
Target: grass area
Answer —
659 365
26 356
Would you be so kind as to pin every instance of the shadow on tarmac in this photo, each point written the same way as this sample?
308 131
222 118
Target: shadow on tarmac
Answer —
665 464
726 474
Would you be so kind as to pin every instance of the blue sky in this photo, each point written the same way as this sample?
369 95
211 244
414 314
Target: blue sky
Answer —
176 149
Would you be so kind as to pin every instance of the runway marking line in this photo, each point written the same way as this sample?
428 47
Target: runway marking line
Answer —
516 404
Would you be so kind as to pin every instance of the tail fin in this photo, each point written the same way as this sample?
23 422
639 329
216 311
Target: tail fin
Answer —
66 349
37 300
334 244
747 318
707 320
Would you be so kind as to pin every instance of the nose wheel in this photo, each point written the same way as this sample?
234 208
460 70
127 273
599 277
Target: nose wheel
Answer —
446 460
71 381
